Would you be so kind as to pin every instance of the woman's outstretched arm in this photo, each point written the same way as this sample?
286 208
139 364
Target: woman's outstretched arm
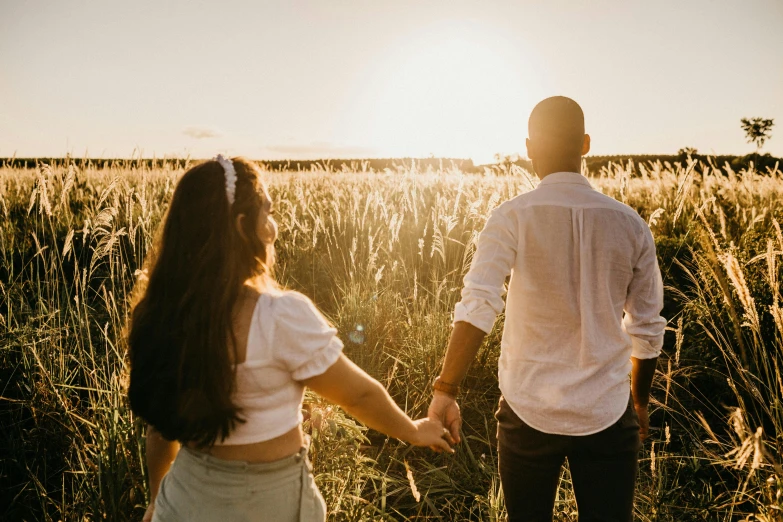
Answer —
348 386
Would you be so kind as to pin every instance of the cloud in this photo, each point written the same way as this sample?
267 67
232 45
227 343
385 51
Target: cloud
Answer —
201 132
317 150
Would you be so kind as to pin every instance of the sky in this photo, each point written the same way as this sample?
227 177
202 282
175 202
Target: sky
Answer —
403 78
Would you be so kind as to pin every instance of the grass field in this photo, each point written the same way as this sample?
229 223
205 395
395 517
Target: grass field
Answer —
383 255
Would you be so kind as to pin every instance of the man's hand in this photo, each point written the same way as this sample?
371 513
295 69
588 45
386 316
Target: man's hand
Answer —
445 409
644 421
464 342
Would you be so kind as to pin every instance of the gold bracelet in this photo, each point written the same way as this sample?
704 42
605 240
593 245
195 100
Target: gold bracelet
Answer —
445 387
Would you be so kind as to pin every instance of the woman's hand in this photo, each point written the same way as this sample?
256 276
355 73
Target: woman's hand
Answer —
148 514
430 432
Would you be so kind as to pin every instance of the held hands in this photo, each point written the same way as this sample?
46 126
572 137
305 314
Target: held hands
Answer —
444 408
430 432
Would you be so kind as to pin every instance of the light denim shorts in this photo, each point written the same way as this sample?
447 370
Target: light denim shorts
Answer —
200 487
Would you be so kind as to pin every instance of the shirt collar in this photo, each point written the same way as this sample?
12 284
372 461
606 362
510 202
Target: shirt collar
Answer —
565 177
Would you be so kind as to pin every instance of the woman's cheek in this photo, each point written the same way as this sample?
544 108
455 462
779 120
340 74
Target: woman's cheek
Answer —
268 233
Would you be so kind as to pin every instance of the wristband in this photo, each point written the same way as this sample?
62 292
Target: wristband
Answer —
445 387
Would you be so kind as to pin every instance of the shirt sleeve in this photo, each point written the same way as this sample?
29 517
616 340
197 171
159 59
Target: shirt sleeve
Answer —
482 293
643 305
303 340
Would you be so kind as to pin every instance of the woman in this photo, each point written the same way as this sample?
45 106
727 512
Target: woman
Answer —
220 358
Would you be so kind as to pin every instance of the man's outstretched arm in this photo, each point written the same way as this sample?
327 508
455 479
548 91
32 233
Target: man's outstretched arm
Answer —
464 343
474 315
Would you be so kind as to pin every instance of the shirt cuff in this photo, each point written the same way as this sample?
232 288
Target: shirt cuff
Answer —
320 361
480 316
641 349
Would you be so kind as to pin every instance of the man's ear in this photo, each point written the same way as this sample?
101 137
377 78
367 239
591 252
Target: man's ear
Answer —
239 224
586 145
530 148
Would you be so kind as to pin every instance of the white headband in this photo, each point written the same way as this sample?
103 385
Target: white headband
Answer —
231 177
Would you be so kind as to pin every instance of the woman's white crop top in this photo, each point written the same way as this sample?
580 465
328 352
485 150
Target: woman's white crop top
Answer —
289 341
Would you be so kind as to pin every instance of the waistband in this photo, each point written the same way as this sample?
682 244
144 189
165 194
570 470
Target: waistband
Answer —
241 466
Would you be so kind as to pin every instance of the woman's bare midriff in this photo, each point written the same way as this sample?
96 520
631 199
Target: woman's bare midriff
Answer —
267 451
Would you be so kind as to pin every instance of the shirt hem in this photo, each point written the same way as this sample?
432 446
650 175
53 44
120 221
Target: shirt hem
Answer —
253 439
569 434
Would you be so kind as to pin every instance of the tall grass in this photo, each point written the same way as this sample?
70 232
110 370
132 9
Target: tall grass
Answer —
383 254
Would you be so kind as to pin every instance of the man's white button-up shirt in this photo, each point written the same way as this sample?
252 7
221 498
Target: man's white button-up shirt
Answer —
585 295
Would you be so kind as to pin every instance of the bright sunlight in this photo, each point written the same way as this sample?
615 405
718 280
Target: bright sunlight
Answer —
451 88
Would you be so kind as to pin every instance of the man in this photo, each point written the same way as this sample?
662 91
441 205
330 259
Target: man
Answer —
582 313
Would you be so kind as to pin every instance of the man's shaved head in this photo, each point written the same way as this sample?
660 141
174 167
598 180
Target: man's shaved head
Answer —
558 123
556 131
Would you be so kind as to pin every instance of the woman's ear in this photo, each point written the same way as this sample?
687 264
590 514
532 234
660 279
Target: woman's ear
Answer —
239 224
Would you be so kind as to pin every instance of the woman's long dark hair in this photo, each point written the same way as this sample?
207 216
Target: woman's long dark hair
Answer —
180 331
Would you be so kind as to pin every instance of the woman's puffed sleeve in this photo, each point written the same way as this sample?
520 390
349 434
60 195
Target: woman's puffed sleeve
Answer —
303 340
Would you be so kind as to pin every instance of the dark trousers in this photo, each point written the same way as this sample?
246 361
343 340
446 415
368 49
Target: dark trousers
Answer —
603 468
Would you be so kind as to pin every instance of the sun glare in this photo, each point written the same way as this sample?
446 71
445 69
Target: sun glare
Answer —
452 92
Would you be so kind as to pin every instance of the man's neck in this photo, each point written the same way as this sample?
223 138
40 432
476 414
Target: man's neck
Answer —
545 170
542 175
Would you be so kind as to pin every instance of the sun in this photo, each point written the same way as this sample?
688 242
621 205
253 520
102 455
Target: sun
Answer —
453 90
